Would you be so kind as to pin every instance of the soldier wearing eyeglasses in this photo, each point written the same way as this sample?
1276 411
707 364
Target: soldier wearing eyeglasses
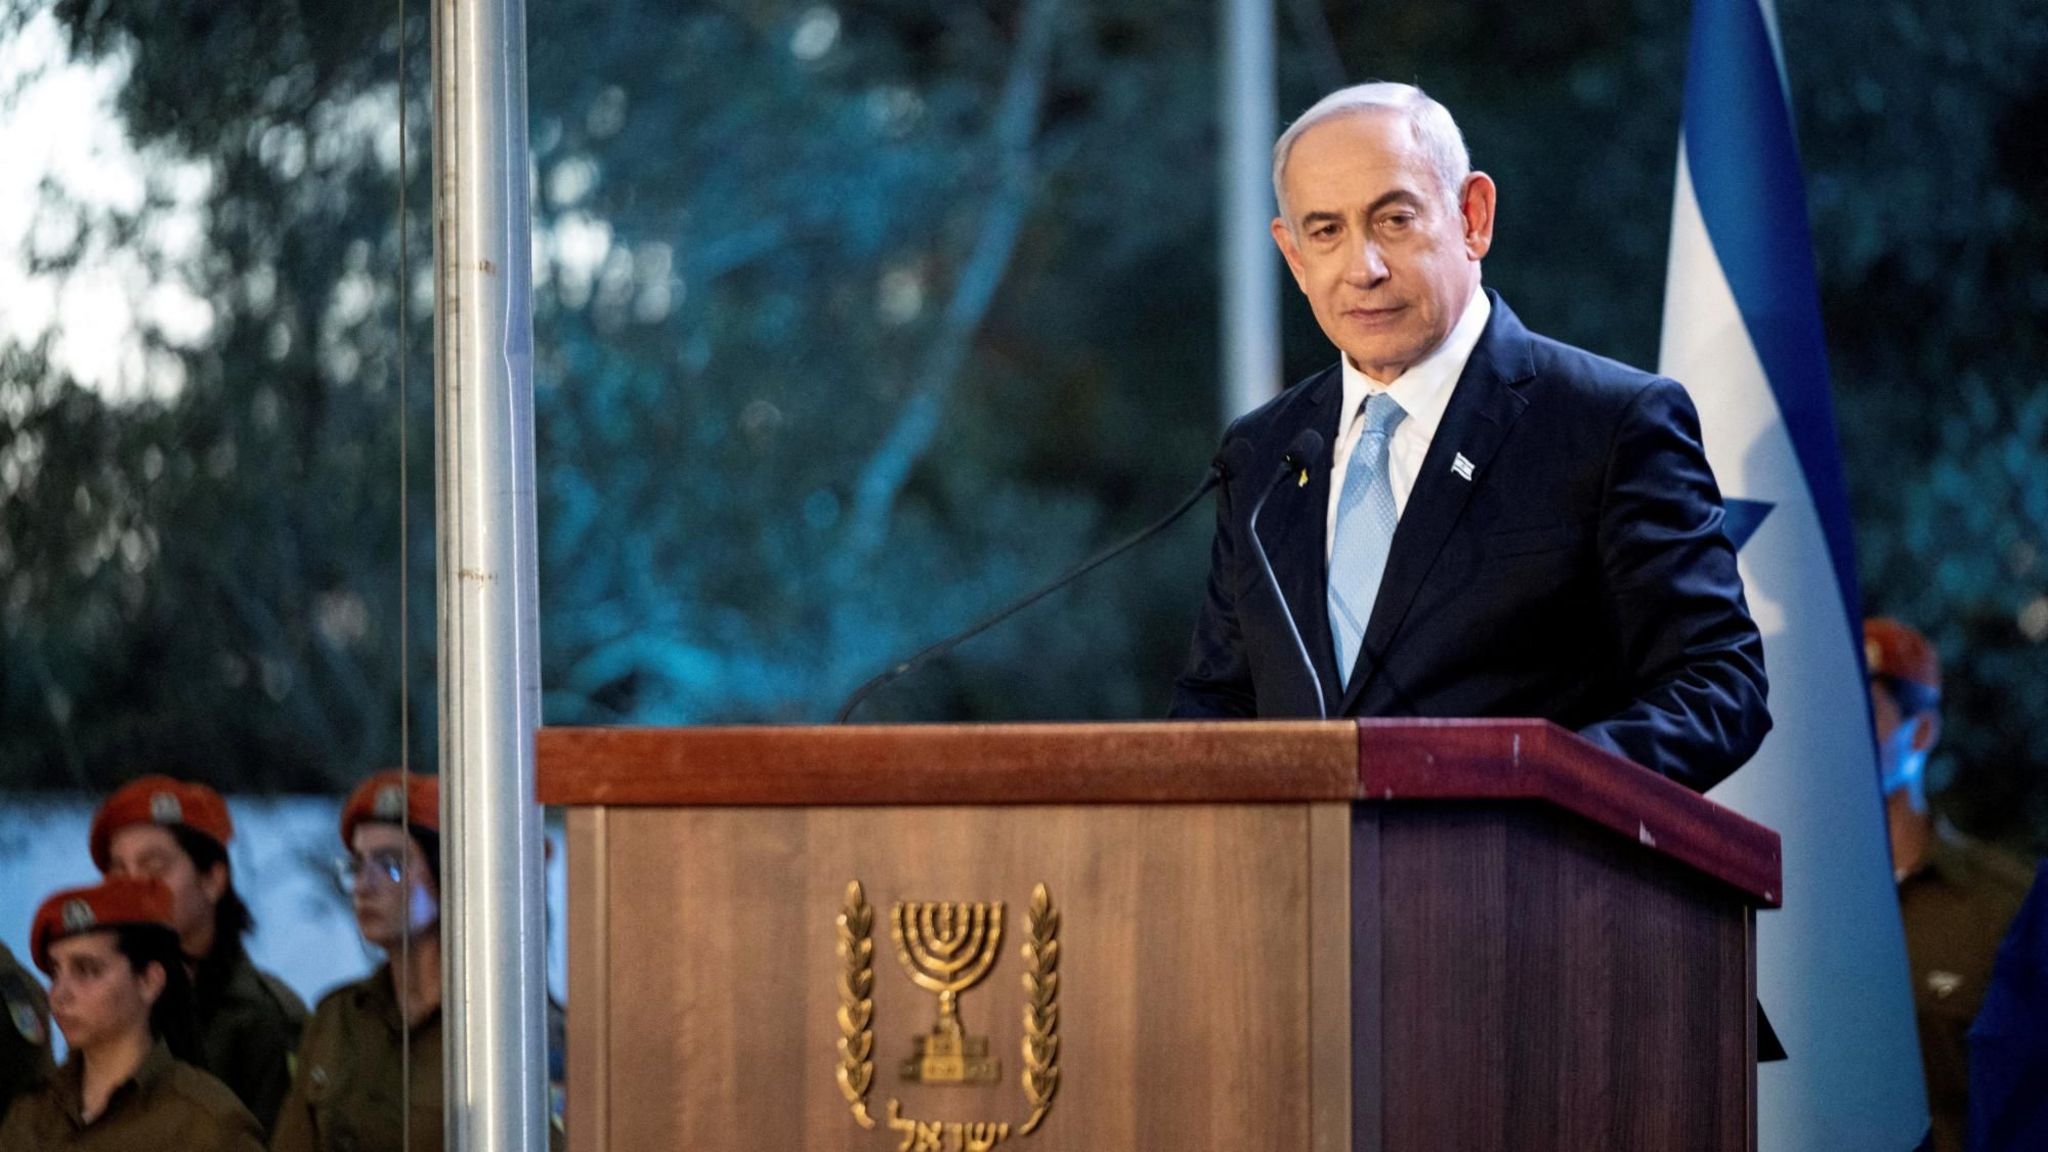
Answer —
369 1072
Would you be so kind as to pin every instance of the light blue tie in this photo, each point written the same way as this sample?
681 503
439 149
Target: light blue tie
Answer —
1365 530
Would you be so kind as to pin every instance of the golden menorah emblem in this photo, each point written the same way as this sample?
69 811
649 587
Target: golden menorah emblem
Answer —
947 948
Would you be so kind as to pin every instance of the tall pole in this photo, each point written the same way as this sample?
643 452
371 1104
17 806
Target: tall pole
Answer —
493 918
1247 263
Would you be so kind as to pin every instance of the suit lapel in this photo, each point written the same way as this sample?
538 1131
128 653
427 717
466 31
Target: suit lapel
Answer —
1483 406
1293 527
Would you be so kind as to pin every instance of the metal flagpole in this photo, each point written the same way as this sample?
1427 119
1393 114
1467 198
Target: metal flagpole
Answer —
492 917
1247 262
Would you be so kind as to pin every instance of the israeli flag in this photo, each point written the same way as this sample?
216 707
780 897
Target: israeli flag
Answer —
1742 331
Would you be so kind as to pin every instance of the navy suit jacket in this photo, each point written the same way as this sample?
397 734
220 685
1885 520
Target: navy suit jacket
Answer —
1580 575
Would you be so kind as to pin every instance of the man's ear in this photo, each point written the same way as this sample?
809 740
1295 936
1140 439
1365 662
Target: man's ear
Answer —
1290 251
1475 207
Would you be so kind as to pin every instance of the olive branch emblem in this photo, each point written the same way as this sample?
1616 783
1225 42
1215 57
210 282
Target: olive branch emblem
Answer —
1041 1007
856 1003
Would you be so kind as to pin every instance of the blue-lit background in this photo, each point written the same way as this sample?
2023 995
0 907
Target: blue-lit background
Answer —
854 321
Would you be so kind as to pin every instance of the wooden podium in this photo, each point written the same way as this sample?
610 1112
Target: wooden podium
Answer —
1408 936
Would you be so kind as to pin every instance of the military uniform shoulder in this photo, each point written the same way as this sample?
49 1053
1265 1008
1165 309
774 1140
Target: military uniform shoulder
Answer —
22 993
204 1091
348 993
36 1120
1993 867
345 1001
226 1120
333 1002
251 985
281 993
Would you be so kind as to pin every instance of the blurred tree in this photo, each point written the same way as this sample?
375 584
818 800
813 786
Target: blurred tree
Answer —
258 644
846 263
854 320
816 381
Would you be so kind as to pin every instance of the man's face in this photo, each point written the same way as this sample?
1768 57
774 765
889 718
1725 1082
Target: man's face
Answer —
149 850
1386 261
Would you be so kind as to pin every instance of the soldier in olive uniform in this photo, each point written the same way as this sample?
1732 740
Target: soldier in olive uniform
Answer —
25 1038
353 1089
249 1021
1956 896
356 1089
118 990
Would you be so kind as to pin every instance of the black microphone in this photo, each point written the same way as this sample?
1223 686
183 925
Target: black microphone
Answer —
1303 454
1228 462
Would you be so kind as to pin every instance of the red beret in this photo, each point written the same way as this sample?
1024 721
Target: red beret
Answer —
390 797
112 902
1895 650
160 800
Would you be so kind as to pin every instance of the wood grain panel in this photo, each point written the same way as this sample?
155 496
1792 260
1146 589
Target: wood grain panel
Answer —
1187 972
1368 983
1329 1022
589 1068
1546 987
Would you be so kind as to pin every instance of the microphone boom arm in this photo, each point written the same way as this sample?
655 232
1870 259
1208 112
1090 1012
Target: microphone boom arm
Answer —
903 668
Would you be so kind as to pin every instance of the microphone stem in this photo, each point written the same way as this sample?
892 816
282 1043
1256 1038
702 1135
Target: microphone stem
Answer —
1251 531
941 647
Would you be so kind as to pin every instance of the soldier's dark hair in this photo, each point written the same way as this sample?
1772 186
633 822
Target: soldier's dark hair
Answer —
232 919
172 1019
430 847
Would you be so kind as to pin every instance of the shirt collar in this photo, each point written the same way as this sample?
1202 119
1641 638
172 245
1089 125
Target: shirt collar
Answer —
1424 390
70 1082
378 996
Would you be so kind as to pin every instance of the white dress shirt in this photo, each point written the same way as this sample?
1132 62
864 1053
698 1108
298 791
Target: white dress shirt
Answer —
1423 392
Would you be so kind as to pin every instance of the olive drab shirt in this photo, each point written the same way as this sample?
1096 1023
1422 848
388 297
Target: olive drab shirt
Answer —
346 1095
1955 912
167 1105
249 1026
24 1034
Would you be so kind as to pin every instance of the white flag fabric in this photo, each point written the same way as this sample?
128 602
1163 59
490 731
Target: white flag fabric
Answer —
1742 332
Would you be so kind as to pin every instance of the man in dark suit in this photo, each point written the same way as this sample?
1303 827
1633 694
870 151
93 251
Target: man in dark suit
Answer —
1501 525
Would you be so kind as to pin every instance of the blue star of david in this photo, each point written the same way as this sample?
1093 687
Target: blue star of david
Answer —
1743 519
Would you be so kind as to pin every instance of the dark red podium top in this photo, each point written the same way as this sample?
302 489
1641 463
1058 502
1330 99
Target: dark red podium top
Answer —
1375 761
